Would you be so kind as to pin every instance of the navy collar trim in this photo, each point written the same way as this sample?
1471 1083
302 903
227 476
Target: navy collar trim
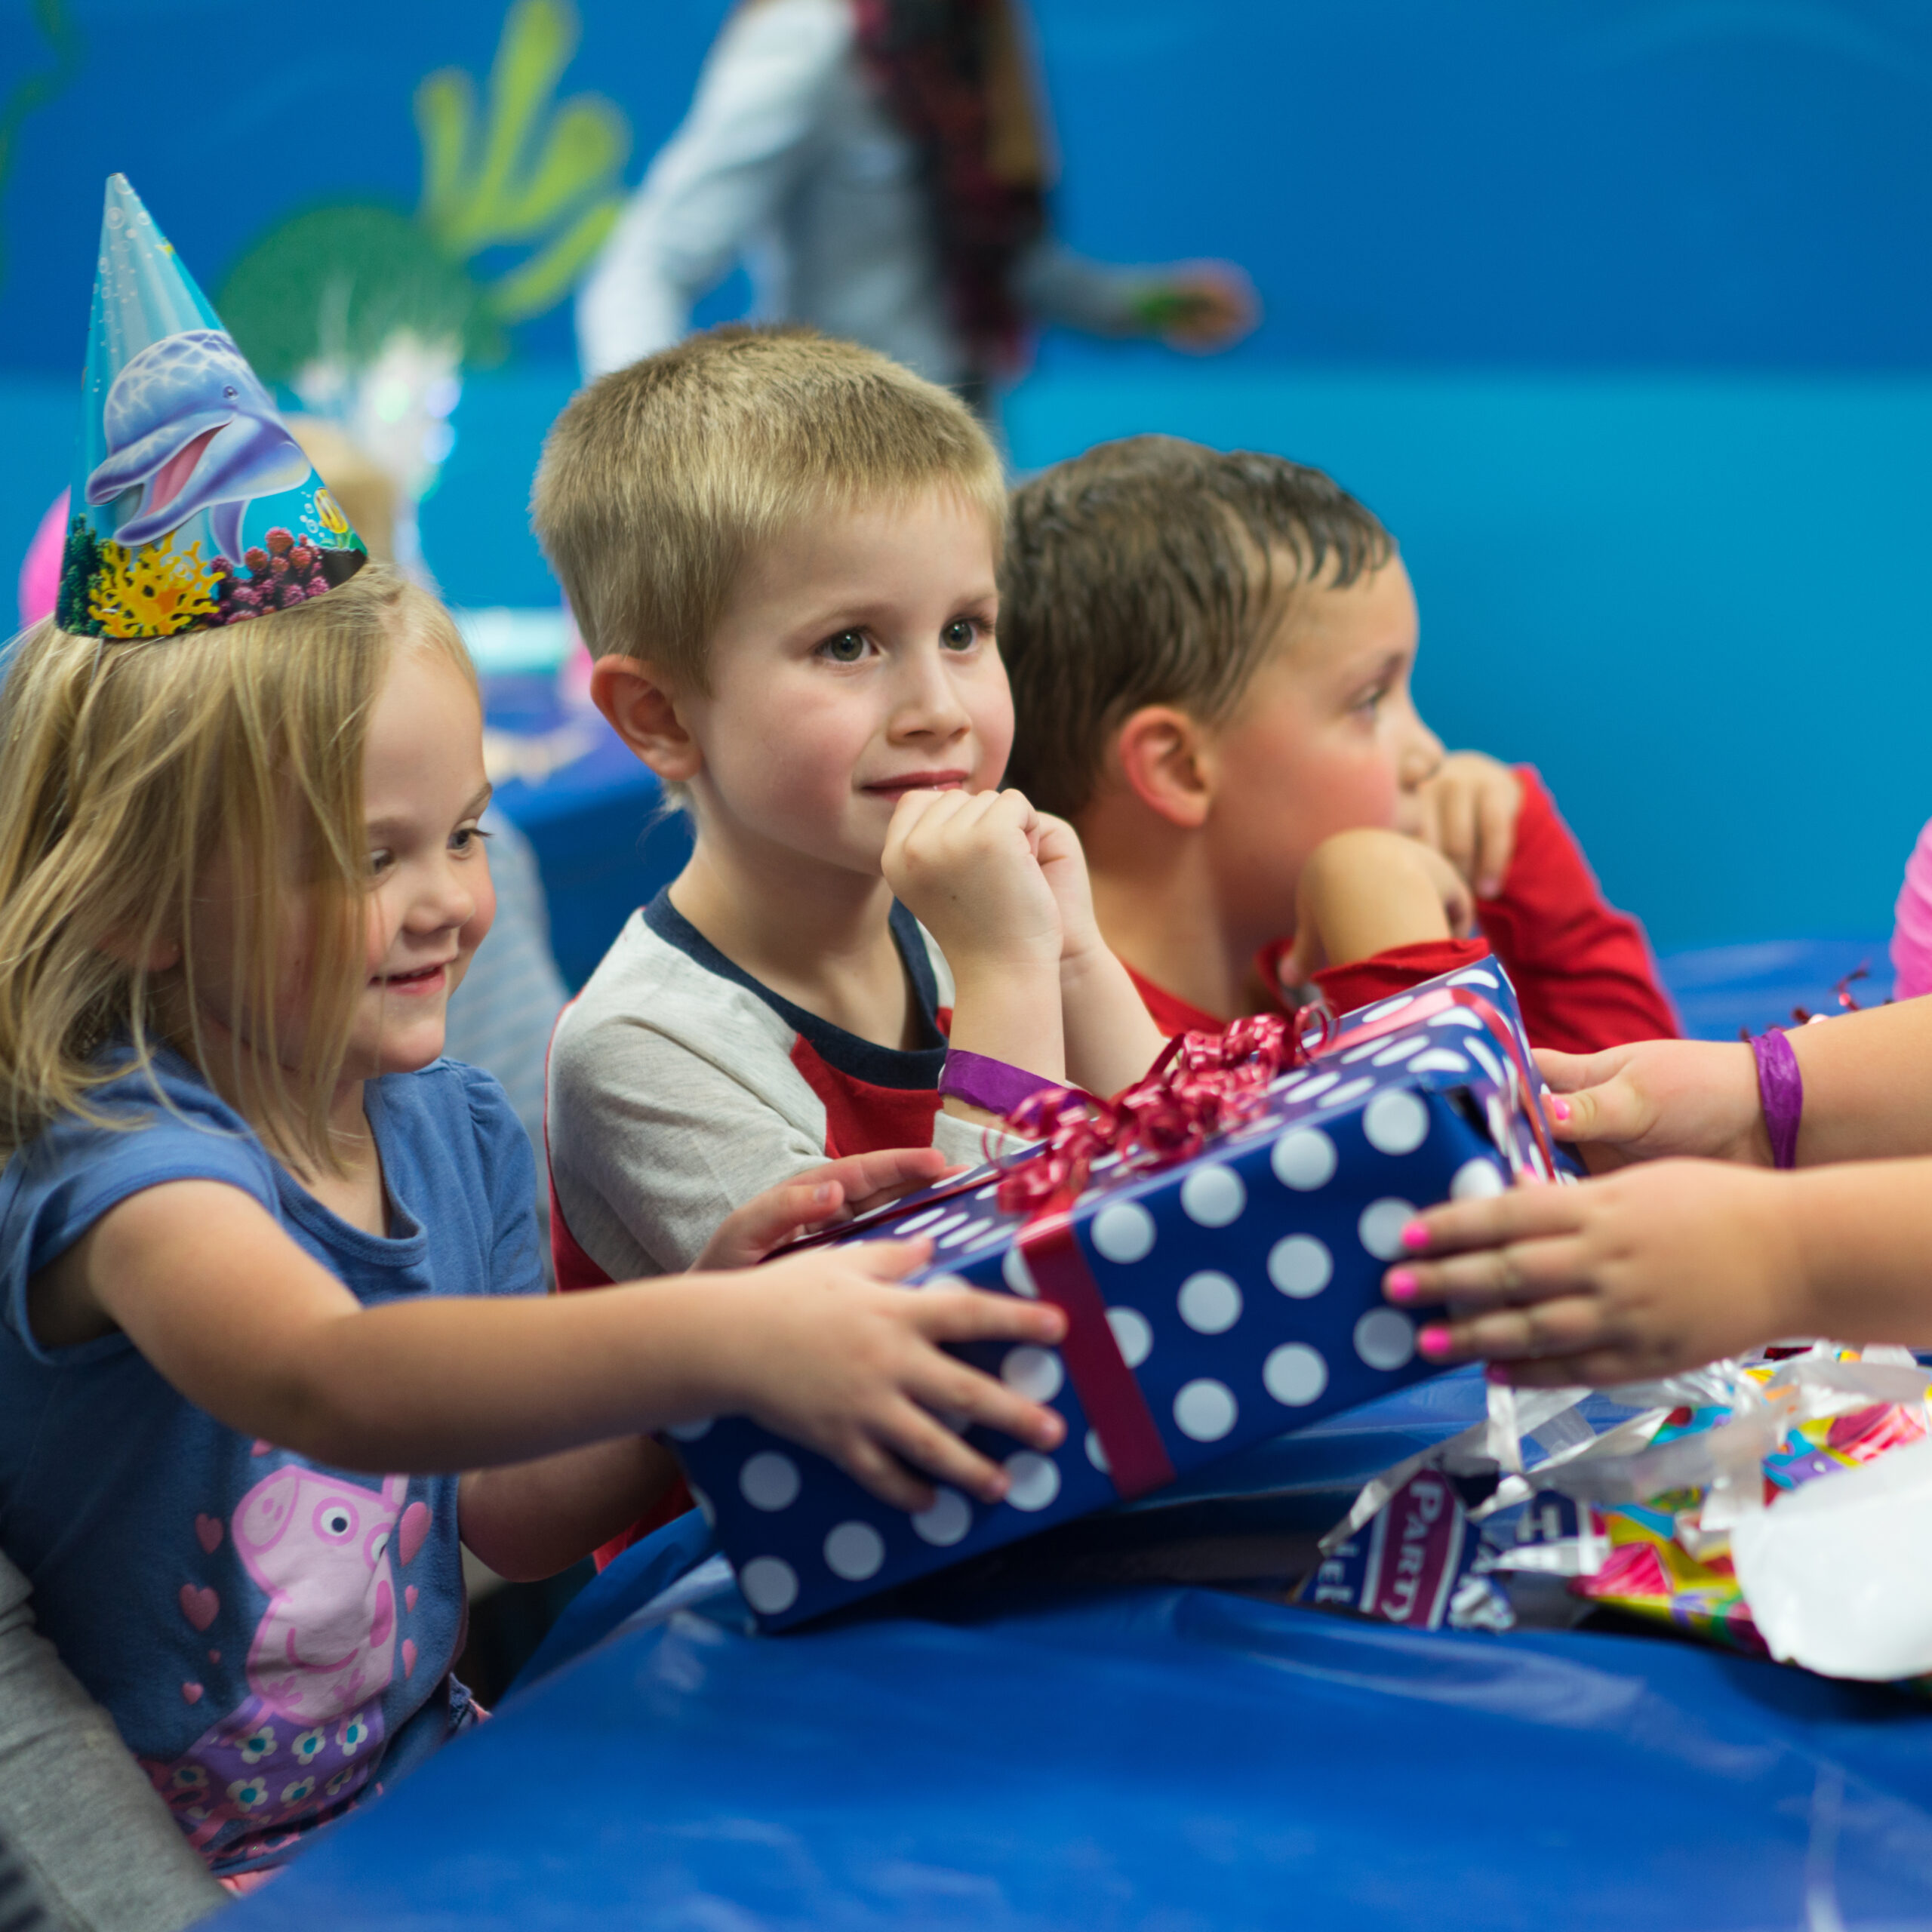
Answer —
916 1071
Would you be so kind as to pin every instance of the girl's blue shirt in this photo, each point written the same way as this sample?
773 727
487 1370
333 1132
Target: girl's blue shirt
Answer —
271 1635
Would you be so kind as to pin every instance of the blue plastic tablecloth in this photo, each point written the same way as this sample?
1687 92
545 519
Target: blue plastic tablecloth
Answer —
1168 1758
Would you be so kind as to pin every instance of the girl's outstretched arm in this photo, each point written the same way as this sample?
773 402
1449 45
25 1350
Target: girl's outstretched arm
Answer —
1671 1265
1868 1094
821 1347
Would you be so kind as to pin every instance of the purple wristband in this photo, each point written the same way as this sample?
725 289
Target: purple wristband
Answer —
1781 1088
994 1084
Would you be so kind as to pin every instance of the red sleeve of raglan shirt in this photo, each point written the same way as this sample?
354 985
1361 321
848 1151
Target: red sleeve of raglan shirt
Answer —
1583 970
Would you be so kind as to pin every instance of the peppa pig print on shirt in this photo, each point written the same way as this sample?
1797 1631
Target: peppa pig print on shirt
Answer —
309 1733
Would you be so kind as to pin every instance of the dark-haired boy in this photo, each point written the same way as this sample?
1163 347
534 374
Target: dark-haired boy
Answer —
1209 655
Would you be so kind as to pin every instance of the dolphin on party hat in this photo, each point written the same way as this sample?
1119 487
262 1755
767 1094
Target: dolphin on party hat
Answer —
182 454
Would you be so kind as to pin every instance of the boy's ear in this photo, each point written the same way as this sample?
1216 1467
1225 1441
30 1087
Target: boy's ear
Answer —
643 713
1166 760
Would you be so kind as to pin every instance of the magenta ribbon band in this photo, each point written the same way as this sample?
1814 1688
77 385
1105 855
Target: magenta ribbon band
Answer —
1781 1089
996 1085
1137 1458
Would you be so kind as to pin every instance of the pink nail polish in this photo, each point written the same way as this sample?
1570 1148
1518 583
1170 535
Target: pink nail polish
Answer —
1559 1108
1415 1236
1434 1340
1401 1284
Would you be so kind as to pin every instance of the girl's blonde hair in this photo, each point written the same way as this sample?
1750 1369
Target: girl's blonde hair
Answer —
126 768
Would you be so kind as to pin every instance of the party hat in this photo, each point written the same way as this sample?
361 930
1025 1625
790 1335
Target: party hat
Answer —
192 505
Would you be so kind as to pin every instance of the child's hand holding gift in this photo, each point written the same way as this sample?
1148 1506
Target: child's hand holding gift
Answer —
826 1348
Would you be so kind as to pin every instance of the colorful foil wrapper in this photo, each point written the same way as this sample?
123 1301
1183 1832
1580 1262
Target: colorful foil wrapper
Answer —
1216 1295
192 505
1639 1507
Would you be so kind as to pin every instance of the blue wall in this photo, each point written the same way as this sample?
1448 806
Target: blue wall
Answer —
1622 315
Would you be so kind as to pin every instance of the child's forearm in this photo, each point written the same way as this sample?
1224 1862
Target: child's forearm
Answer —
1862 1232
532 1519
1111 1039
1868 1084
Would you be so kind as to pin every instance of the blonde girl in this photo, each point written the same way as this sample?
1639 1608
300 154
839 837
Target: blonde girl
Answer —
272 1334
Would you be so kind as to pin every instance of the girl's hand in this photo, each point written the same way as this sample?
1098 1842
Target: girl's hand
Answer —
1656 1099
1645 1273
967 864
832 1354
817 1198
1466 810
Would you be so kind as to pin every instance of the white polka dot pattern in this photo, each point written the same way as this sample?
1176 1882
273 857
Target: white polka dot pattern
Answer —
971 1232
1210 1302
1349 1092
1390 1006
1396 1122
1096 1452
1034 1373
1123 1233
1299 1265
1401 1050
1474 976
913 1223
854 1550
1294 1374
1035 1481
1213 1196
1385 1338
1304 1159
1381 1226
1132 1335
1476 1180
1438 1060
690 1432
946 1522
1486 1060
1017 1276
771 1585
1320 1084
1204 1409
769 1481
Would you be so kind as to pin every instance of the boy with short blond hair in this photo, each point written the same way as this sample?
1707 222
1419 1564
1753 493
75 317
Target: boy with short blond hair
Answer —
783 552
1210 654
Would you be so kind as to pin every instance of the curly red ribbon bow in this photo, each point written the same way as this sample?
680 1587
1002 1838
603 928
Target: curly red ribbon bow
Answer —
1202 1084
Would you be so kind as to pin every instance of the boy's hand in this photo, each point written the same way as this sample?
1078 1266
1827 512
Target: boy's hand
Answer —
1363 891
817 1198
1658 1098
967 864
837 1358
1643 1274
1065 864
1467 811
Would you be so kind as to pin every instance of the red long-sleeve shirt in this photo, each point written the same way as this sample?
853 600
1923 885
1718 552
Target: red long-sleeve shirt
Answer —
1583 971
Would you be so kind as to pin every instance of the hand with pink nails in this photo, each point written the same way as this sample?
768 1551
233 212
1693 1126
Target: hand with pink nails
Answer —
1656 1099
1665 1266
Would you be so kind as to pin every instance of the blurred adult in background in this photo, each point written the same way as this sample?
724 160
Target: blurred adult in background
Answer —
880 168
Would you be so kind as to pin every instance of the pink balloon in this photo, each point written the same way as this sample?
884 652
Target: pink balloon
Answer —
40 575
1911 936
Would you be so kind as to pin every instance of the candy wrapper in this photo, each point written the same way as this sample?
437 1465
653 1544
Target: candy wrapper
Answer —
1217 1239
1782 1507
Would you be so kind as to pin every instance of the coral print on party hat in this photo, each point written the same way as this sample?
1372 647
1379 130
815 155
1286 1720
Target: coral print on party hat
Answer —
194 506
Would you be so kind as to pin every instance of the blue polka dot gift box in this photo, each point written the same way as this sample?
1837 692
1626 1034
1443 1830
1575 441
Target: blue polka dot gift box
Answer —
1215 1297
